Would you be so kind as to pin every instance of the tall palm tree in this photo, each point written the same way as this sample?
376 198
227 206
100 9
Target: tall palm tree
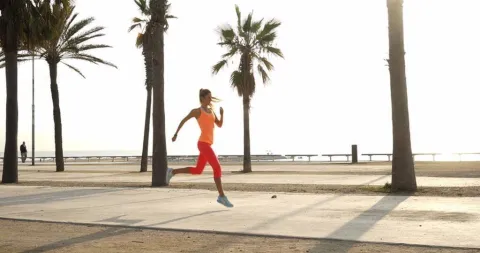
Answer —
142 41
65 40
20 28
253 41
158 24
403 171
16 15
9 37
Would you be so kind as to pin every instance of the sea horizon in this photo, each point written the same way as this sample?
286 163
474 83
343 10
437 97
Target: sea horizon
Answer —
301 157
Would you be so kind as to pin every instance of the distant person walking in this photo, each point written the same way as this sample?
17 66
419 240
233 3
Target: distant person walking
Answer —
23 152
206 119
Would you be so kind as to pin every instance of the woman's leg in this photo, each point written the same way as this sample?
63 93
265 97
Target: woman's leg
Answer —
201 162
207 151
212 159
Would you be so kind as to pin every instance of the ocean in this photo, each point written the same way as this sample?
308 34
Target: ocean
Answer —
442 157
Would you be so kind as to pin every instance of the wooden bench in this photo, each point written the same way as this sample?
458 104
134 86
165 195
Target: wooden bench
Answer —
460 155
334 155
379 154
300 155
426 154
390 155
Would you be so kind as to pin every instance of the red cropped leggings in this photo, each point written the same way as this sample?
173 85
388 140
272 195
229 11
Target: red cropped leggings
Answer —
207 155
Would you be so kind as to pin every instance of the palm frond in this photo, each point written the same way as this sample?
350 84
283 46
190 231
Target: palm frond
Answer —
77 27
256 26
143 6
69 24
139 25
226 32
263 74
90 58
239 17
139 20
247 24
74 69
267 39
217 67
228 38
21 57
268 28
231 53
139 41
236 80
2 63
84 48
274 51
266 62
240 31
90 34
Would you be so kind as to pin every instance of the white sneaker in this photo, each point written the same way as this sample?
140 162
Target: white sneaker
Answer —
169 175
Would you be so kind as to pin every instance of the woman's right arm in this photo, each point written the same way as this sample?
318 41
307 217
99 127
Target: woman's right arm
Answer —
193 113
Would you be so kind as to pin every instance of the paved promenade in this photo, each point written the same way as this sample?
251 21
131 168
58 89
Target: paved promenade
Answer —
346 179
432 221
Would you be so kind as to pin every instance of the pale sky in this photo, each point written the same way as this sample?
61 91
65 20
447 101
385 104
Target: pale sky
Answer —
330 91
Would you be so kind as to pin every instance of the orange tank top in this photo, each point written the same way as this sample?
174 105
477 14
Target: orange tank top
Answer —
206 121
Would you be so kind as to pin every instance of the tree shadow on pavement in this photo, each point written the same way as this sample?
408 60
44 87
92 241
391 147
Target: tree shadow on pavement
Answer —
108 232
187 217
353 230
48 197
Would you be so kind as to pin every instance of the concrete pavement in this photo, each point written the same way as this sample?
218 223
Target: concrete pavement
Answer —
436 221
244 178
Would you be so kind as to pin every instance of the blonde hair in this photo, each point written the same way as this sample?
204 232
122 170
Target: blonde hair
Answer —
205 92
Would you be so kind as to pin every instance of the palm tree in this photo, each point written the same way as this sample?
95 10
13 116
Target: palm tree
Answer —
143 42
403 171
20 28
16 15
9 37
65 40
158 24
253 42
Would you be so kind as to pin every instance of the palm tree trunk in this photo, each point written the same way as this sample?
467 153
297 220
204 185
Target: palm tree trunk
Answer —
10 160
403 172
147 56
247 161
159 156
146 132
57 118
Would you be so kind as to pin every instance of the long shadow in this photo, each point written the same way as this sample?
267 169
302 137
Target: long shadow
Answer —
354 229
72 178
48 197
106 205
117 220
112 231
186 217
293 213
218 245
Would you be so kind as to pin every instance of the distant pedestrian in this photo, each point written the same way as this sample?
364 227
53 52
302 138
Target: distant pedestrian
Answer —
23 152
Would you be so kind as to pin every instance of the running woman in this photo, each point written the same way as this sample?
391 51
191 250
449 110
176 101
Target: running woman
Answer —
206 119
